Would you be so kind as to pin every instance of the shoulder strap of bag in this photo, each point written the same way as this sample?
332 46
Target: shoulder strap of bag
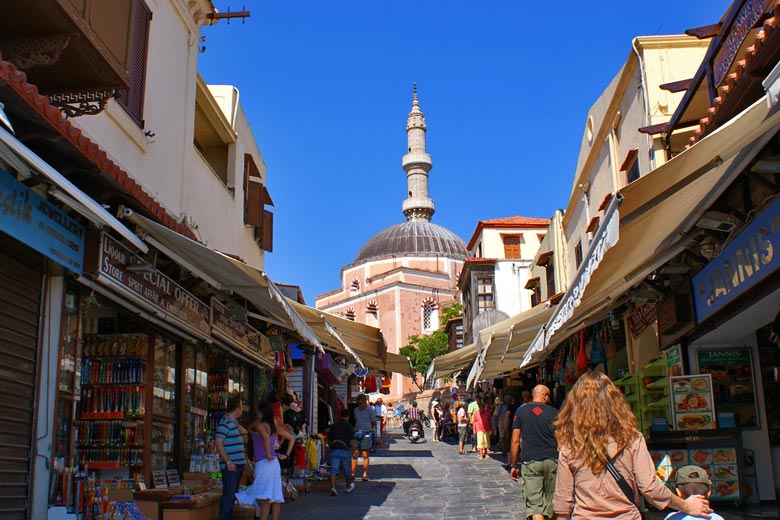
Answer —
625 487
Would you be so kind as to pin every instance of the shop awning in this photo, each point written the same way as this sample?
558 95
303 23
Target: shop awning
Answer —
226 273
451 362
25 161
657 212
360 342
506 342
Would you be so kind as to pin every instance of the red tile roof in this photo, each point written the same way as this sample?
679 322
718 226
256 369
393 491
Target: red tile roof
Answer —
516 221
17 80
507 223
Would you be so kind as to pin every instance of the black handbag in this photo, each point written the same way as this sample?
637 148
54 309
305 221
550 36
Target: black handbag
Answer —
625 487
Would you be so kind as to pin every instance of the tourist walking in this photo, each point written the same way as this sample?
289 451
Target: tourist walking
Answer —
342 445
533 429
365 422
480 421
435 420
596 429
266 492
232 457
462 418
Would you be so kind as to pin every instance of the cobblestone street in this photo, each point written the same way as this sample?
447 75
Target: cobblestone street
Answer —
431 481
419 481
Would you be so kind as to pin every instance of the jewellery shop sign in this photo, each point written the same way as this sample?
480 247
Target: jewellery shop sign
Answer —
39 224
124 271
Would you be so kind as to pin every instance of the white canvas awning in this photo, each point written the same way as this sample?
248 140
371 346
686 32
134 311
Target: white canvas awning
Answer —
28 162
226 273
657 212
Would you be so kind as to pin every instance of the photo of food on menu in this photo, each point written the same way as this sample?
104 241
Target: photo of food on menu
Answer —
720 464
693 404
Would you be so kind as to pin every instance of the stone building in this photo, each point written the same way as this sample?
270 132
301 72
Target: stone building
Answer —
405 274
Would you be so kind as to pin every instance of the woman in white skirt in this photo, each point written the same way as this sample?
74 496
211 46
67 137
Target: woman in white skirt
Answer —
266 493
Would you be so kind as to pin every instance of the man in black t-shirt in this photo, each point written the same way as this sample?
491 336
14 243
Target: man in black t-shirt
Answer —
341 436
533 430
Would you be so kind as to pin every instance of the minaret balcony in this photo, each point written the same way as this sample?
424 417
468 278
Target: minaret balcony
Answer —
416 159
418 203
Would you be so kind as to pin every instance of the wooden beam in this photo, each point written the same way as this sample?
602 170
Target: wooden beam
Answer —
677 86
705 31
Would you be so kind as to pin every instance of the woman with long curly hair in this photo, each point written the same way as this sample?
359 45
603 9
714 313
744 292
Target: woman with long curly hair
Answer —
596 424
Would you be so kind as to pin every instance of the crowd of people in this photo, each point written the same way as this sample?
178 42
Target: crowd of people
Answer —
587 460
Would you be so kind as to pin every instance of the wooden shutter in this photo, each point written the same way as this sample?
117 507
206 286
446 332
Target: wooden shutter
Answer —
20 293
132 100
511 246
253 210
267 242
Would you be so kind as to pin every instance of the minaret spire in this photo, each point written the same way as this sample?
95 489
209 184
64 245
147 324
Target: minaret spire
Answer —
417 164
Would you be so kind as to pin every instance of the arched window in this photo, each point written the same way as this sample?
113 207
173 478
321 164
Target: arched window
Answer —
372 313
430 315
354 287
350 314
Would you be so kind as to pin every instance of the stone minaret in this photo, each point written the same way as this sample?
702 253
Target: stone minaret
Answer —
417 164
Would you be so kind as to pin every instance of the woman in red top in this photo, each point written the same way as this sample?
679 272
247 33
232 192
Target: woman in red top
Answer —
481 423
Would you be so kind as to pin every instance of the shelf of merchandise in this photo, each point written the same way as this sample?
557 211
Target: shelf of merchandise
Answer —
113 386
646 393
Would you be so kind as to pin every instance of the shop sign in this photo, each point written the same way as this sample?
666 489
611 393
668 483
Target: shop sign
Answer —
674 362
745 261
36 222
731 369
152 286
237 332
642 317
749 14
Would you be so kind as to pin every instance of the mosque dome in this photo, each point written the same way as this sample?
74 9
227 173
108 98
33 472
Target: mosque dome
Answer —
413 238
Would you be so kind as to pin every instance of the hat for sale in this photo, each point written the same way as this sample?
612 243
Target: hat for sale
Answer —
693 475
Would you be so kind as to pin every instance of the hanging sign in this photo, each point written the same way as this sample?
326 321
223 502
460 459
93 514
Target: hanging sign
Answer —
39 224
642 317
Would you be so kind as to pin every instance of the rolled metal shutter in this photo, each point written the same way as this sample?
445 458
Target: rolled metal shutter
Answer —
21 278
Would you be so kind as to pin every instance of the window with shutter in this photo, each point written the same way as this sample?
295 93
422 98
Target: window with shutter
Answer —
132 99
511 246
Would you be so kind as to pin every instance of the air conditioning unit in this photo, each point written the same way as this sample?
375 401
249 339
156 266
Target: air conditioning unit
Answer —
718 221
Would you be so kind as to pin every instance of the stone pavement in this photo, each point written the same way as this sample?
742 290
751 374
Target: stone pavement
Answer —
431 481
418 481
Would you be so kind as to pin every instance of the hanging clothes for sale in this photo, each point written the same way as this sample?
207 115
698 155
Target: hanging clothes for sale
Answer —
582 356
597 354
369 383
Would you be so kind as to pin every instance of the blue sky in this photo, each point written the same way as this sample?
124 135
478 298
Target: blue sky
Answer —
505 86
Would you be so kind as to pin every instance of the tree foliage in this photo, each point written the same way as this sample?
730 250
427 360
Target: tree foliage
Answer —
451 311
422 349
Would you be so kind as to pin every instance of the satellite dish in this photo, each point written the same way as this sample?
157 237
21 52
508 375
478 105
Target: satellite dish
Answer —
360 372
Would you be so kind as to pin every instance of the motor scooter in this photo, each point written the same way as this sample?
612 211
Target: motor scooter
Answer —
416 432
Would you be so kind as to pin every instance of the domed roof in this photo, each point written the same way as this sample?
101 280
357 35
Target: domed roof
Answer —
413 238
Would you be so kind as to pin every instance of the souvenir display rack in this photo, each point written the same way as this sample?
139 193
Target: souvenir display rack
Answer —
113 401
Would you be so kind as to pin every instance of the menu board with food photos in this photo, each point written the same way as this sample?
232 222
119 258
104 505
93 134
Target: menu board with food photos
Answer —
718 452
692 402
731 369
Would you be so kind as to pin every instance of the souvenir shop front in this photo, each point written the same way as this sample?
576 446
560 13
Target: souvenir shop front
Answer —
145 370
